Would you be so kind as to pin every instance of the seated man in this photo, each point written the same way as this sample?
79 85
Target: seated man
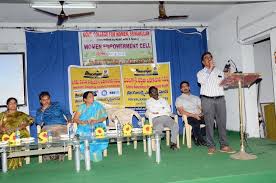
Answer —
50 116
160 109
190 105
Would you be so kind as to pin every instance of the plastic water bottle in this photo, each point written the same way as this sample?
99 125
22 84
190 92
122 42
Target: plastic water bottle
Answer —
119 128
71 131
17 137
50 136
92 131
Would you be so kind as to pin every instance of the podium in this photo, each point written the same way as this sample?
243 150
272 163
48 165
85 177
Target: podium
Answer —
241 80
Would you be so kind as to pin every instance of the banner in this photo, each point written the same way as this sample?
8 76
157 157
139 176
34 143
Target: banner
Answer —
117 47
138 78
105 81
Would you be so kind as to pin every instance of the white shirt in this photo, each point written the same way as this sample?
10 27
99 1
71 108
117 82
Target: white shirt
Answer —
210 81
161 106
190 103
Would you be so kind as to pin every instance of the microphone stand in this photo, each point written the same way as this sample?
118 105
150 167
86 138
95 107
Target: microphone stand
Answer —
236 69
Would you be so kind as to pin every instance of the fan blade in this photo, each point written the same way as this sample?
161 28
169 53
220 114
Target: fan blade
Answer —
176 17
46 12
62 19
77 15
149 20
252 2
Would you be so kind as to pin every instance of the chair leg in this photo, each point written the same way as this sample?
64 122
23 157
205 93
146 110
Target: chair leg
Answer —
105 153
183 137
40 159
27 159
69 152
168 137
135 143
119 148
153 146
189 136
128 143
177 142
145 143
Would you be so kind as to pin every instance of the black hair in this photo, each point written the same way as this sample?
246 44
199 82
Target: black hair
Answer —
43 94
10 99
184 82
206 53
85 94
152 88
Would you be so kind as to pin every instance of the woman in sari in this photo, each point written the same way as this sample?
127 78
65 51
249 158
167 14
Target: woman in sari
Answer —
11 121
90 115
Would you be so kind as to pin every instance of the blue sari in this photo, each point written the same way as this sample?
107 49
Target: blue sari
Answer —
94 111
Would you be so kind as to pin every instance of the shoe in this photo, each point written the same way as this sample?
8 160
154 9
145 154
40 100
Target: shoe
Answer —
203 142
211 150
196 141
173 146
227 149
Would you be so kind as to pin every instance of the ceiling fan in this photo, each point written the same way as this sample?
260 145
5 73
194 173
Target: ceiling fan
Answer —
62 17
163 16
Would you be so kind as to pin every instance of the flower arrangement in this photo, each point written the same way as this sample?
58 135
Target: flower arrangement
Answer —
5 137
43 137
127 129
99 132
147 129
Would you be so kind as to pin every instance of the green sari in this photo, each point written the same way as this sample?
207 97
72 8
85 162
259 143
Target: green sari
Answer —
12 121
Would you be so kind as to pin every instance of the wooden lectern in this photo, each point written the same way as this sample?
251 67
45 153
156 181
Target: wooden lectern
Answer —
241 80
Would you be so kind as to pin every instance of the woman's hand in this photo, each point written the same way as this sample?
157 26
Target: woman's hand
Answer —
92 121
3 129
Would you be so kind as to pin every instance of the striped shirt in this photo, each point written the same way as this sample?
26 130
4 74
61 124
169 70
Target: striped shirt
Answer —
210 81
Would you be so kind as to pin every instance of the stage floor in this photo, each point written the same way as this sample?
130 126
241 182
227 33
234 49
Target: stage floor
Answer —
182 166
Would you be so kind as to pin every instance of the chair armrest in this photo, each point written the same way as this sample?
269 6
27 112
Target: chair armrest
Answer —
150 117
185 120
142 122
175 117
38 128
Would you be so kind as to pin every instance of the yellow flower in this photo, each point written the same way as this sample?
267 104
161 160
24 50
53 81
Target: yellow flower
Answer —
147 129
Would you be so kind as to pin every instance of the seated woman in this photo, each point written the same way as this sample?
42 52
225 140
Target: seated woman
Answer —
90 115
11 121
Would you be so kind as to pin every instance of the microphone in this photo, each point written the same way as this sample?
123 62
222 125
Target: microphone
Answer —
227 67
236 69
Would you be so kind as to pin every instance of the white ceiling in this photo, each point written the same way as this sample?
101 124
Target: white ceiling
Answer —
116 12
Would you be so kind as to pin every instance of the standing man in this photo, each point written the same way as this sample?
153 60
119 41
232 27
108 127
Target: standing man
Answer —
213 103
190 105
160 110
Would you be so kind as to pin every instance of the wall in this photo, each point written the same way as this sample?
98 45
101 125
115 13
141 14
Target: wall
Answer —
13 40
224 44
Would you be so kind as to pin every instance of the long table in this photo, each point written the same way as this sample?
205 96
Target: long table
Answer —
58 145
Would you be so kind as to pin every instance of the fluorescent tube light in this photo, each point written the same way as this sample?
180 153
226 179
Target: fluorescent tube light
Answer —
69 5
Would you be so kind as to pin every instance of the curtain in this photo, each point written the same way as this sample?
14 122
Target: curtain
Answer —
183 49
48 57
50 54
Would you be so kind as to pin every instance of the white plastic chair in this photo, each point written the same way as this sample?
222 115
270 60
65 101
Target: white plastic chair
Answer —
125 116
168 135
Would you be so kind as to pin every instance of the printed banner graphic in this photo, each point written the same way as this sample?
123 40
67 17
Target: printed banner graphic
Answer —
105 81
117 47
138 78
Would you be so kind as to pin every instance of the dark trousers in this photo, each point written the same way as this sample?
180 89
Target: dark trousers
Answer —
214 109
196 127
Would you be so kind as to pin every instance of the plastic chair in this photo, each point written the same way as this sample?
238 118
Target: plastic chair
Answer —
125 116
168 135
188 131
